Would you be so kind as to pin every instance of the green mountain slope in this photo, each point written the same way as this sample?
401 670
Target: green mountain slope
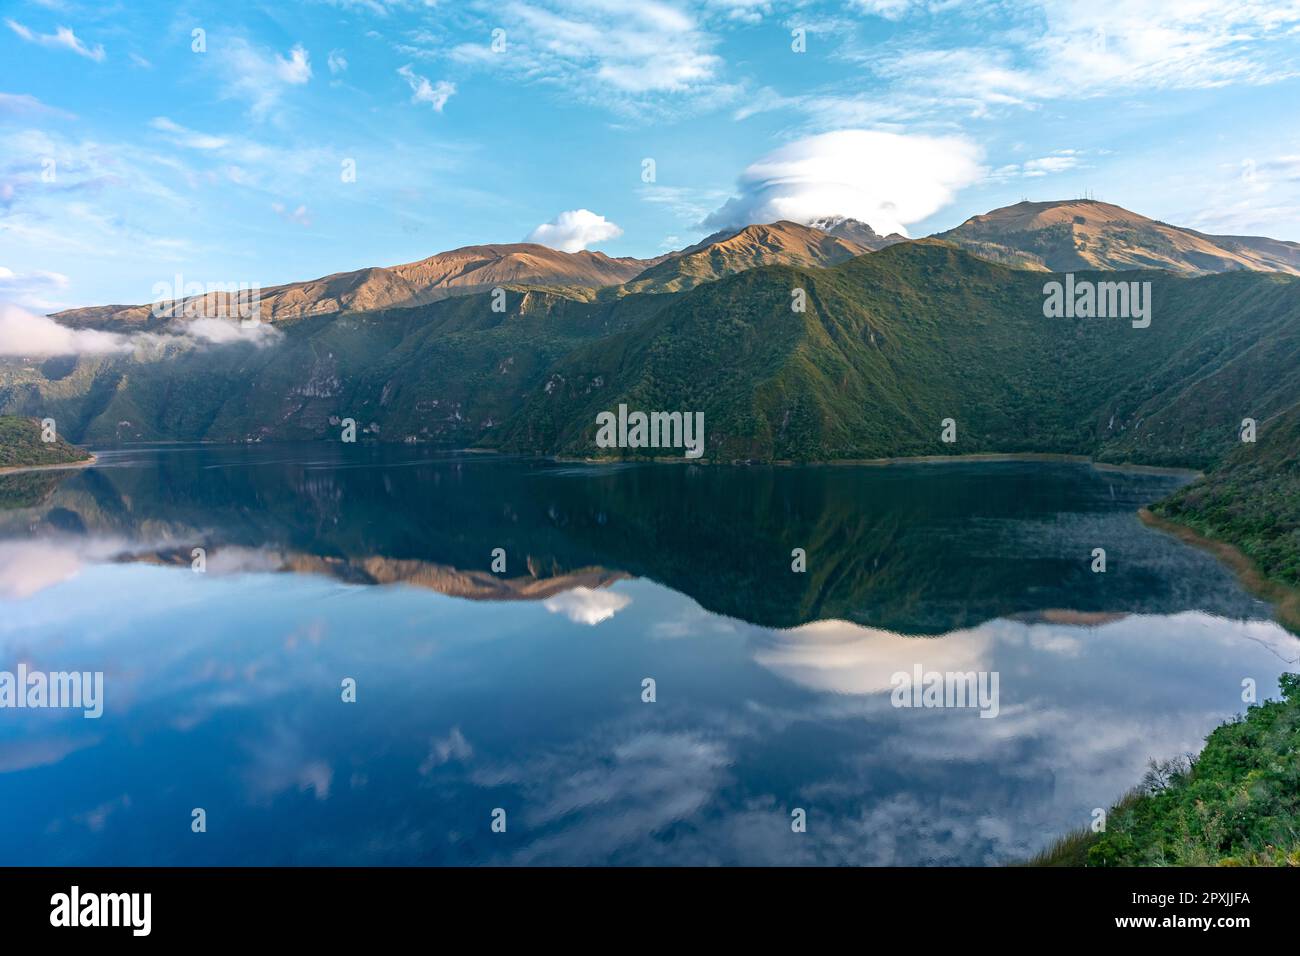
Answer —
448 372
889 345
1252 499
893 343
21 445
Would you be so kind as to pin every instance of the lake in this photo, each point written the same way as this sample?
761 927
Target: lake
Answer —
521 697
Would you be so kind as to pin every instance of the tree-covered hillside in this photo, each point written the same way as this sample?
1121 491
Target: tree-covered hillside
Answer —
21 445
887 347
893 343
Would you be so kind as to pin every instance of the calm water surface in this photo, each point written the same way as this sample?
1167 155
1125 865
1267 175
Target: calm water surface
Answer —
523 690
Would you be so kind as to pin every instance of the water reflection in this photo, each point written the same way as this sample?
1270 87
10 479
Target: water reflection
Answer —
222 689
914 549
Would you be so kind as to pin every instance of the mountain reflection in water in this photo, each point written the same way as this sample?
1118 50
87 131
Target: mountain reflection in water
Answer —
772 687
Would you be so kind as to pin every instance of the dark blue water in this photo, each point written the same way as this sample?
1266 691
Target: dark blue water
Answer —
522 691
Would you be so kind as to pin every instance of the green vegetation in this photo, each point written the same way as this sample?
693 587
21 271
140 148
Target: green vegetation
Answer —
21 445
1252 500
890 344
448 372
894 342
1236 804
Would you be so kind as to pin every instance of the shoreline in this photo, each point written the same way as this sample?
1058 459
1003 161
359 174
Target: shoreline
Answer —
20 469
1131 467
887 462
1285 599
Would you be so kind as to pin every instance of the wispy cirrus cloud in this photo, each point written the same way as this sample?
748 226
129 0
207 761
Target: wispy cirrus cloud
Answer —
1029 53
62 38
1060 161
651 56
24 104
258 75
38 289
189 138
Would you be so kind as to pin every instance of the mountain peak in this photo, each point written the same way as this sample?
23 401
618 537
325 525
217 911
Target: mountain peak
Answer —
856 230
735 250
1067 234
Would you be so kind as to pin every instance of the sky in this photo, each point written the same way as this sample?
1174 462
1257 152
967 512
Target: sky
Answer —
261 143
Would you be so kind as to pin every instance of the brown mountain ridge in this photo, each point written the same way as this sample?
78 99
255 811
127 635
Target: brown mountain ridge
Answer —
1058 236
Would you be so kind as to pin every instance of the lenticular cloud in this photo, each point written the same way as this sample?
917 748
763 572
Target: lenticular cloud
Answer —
886 180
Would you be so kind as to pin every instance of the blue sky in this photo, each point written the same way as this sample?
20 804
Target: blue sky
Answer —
127 157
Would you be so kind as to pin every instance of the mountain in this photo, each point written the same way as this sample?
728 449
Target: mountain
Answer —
1079 234
893 343
446 372
889 345
856 231
728 252
458 272
1051 236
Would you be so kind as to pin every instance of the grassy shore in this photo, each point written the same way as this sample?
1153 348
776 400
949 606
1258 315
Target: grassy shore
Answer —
1235 804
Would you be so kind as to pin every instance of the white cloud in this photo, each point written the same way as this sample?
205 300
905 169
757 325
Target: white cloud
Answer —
887 180
888 9
62 37
182 136
225 332
846 658
20 104
423 91
1061 161
1035 52
28 567
587 605
336 61
25 334
299 215
638 59
32 289
295 70
261 76
687 203
28 335
633 48
574 230
453 747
